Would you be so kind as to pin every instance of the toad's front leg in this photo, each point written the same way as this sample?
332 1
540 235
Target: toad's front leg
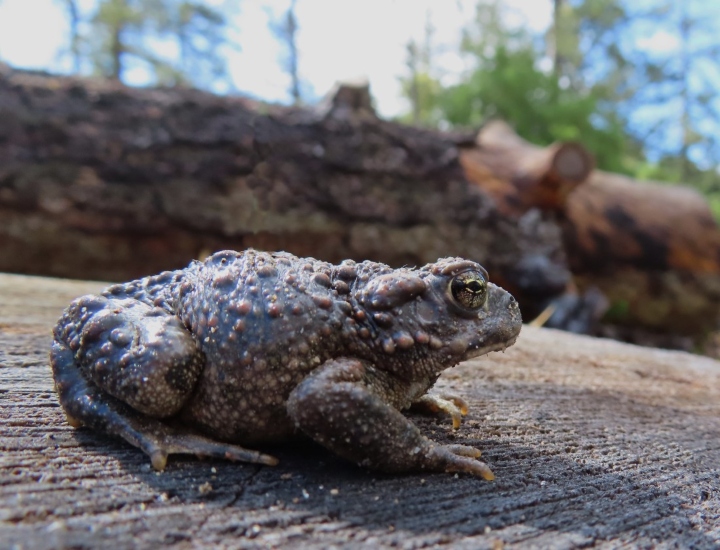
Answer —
344 405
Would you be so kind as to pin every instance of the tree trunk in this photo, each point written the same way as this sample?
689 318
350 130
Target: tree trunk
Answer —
593 442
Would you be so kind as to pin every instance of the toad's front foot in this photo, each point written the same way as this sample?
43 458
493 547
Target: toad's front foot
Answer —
448 403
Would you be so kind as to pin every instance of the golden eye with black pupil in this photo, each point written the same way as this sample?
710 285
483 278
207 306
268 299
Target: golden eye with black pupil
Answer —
469 289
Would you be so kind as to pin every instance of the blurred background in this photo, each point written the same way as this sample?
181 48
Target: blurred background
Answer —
571 146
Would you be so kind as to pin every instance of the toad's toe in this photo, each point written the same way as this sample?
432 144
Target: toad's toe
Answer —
451 404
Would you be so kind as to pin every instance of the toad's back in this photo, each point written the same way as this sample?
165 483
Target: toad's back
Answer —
263 322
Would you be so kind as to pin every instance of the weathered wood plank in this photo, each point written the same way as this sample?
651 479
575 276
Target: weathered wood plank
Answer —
592 442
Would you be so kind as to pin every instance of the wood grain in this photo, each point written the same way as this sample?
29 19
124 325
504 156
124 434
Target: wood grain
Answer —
593 443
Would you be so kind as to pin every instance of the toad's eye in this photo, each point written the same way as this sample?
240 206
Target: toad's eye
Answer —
469 289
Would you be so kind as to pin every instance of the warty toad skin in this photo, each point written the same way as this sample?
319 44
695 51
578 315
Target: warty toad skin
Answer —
253 347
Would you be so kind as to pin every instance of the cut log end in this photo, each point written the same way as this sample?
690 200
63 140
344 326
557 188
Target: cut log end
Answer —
521 176
572 163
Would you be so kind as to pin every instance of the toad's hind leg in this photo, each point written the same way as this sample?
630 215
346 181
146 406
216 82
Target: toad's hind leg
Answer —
120 365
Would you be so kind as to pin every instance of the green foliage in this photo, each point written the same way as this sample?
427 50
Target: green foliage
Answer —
420 87
542 106
679 85
123 34
588 79
586 38
423 91
110 44
676 87
535 105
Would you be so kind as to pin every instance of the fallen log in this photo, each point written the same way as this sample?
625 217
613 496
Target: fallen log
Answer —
102 181
652 249
593 442
521 176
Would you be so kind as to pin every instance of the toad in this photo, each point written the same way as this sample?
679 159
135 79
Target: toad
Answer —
250 347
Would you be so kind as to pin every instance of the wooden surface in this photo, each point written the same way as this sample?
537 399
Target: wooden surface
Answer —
593 443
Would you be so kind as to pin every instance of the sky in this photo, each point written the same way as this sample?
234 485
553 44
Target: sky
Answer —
338 40
353 41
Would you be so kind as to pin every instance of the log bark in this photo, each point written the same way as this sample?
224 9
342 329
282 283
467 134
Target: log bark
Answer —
653 249
593 442
102 181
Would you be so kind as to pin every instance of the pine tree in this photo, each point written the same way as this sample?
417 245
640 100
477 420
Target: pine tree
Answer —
286 32
421 87
123 34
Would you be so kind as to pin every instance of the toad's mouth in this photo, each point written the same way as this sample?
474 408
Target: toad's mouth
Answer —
475 351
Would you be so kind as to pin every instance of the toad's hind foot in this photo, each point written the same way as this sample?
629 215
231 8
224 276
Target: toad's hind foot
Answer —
459 459
171 442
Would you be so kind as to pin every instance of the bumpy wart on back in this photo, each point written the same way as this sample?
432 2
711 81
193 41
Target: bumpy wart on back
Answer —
253 347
